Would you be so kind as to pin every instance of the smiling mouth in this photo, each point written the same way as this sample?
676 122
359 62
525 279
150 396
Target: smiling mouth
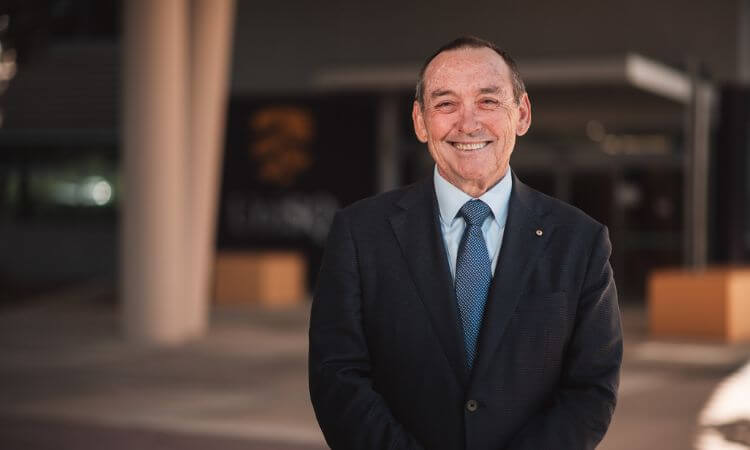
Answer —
469 146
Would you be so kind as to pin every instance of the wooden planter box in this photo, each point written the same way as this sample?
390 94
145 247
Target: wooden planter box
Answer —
269 278
713 303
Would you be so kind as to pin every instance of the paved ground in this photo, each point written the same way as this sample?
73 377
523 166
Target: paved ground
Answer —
665 386
67 381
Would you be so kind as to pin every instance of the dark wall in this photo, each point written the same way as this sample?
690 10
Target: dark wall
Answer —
279 45
731 182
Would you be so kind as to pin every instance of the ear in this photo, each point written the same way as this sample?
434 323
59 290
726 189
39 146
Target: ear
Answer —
524 115
419 126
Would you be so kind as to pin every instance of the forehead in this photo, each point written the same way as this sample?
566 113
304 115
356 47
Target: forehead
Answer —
466 69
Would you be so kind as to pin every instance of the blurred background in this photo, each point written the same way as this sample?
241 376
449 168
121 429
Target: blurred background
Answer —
169 170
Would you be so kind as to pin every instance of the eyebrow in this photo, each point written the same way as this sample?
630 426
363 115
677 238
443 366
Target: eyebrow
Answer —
441 93
490 90
485 90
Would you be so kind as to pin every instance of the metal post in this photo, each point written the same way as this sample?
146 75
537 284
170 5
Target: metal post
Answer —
743 41
388 156
698 124
617 230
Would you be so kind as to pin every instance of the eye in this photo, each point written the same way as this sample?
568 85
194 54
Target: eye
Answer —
489 102
445 106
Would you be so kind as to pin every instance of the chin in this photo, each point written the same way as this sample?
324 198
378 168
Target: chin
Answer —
474 172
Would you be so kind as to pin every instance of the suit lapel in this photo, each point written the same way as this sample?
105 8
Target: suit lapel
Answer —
520 249
418 232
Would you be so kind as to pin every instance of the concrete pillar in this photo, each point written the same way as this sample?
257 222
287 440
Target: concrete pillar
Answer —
210 47
154 118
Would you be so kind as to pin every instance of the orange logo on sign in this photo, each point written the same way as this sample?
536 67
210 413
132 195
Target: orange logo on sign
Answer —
282 136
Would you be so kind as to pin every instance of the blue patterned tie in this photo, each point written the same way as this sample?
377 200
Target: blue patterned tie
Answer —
473 274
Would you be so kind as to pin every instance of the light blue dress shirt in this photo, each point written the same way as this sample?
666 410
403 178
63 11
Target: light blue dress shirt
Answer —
451 199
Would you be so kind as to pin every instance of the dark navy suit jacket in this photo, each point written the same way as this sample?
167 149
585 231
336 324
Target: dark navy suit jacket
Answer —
386 363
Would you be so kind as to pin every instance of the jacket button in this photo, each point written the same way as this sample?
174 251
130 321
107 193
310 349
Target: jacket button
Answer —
471 405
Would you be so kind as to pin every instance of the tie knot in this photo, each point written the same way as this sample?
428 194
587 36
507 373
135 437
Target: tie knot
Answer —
474 212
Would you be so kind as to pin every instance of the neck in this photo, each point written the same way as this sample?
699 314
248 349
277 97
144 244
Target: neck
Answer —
474 188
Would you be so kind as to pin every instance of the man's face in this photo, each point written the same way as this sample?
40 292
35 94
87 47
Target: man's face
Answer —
469 119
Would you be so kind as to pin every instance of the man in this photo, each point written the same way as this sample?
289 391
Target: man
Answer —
467 311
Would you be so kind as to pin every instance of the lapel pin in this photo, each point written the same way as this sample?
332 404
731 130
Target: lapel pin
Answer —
539 232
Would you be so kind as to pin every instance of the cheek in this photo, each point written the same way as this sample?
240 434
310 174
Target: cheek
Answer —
438 150
439 125
505 128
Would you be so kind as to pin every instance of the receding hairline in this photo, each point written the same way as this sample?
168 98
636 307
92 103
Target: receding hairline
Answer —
473 43
439 91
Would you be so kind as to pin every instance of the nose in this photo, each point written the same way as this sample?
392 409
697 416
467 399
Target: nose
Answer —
468 122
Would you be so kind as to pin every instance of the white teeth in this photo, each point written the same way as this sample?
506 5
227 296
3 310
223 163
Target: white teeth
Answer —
473 146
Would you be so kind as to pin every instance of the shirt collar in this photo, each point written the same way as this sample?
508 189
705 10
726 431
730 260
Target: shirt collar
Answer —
451 199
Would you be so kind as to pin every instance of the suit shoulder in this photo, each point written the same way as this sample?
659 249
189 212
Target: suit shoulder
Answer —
378 206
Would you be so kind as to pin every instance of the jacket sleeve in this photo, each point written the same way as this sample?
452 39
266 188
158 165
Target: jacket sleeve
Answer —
579 413
351 413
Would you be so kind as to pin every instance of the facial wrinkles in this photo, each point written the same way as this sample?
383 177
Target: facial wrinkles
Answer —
444 74
477 128
501 138
464 77
474 125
